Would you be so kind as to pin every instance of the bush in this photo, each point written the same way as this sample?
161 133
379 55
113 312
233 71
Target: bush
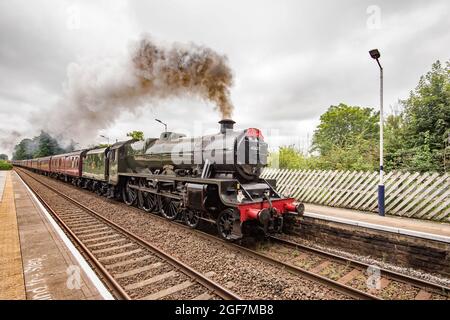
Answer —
290 158
5 165
361 156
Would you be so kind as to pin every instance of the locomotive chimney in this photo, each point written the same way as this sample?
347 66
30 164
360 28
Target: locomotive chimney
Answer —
226 124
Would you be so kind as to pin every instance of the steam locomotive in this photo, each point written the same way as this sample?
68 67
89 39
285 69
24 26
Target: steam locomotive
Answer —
214 178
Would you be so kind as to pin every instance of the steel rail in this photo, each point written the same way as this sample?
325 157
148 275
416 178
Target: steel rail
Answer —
201 279
342 288
111 283
354 263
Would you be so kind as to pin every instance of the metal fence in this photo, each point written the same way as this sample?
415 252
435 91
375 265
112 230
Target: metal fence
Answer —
408 194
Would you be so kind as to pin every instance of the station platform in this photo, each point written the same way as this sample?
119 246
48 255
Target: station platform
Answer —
438 231
37 260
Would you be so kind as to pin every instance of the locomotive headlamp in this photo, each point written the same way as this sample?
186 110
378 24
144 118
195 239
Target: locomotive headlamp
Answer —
240 196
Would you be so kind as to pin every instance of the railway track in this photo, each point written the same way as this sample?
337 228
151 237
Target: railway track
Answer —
386 284
130 267
295 255
349 291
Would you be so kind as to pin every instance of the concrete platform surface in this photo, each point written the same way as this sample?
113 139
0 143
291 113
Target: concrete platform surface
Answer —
12 286
46 267
3 175
414 227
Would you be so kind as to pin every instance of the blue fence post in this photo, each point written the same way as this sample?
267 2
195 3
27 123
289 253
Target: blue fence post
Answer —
381 199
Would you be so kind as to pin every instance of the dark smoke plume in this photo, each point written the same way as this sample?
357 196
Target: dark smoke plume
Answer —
97 92
184 69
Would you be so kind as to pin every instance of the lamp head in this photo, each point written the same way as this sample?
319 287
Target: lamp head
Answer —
375 54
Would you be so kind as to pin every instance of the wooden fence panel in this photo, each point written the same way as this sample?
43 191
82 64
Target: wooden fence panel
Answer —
417 195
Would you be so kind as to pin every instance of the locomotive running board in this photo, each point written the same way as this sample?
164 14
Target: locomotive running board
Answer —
165 194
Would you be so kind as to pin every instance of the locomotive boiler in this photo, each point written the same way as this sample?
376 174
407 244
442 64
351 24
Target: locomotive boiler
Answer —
229 154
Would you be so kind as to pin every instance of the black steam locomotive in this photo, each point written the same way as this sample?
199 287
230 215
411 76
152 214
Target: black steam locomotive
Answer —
213 178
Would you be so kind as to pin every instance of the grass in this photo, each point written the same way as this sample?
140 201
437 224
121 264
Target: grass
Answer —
5 165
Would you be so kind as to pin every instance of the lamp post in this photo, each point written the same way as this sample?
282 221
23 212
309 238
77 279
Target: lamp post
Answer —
375 54
105 137
164 124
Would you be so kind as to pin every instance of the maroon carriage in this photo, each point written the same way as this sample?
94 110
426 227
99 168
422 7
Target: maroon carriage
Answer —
57 164
67 165
34 164
44 164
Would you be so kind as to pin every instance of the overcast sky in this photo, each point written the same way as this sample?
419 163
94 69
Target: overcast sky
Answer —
291 60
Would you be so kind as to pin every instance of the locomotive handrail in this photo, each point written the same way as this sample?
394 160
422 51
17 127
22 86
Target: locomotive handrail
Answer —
245 190
271 188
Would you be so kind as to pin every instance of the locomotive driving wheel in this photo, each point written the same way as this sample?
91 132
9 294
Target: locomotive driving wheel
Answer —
129 195
146 200
170 208
149 202
225 224
192 218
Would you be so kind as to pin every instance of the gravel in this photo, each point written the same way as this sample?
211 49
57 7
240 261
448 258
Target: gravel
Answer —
435 278
336 270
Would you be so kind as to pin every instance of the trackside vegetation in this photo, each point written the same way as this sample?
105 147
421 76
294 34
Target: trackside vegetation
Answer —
5 165
416 139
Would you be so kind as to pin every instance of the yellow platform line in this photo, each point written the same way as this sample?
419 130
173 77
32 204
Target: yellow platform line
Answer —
12 285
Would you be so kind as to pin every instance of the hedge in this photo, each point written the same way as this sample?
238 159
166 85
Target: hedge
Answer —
5 165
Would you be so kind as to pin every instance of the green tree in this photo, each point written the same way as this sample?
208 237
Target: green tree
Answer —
427 120
288 157
362 154
343 125
46 146
394 142
23 150
4 157
40 146
347 138
137 135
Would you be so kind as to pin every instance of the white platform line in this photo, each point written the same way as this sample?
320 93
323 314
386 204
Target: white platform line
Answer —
83 263
408 232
